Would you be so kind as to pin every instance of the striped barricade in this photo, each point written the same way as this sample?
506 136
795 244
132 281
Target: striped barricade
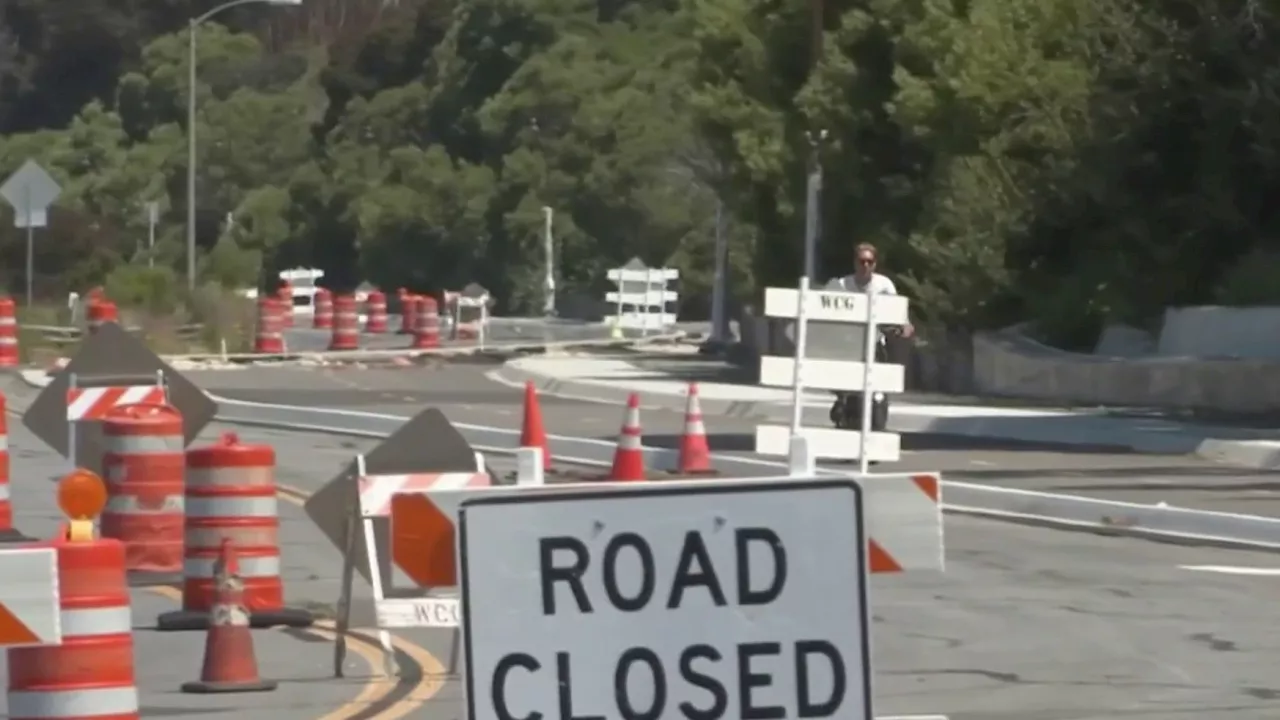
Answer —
369 522
91 398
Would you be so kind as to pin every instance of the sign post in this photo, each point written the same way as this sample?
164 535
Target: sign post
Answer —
698 600
30 191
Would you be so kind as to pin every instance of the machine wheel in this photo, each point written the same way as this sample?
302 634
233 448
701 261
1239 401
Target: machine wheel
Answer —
837 414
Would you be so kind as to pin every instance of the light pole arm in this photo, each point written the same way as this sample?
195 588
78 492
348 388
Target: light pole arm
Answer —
227 6
191 123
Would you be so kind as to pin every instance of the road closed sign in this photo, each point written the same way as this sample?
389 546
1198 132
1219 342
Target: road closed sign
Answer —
708 600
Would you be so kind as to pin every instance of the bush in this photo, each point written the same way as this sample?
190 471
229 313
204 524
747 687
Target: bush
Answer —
227 318
153 290
1251 280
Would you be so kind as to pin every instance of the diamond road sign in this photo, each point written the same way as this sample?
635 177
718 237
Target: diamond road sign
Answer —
112 357
425 444
30 191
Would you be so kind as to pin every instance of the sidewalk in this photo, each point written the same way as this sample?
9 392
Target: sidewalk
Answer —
613 379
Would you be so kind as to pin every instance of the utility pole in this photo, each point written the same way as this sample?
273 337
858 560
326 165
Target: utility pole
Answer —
549 281
813 207
720 283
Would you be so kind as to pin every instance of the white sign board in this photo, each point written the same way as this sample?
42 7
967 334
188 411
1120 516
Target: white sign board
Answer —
30 190
865 376
692 601
29 598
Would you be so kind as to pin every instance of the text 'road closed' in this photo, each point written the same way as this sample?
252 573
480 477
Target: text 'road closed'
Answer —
711 618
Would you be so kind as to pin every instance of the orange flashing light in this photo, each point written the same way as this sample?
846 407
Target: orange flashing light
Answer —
82 496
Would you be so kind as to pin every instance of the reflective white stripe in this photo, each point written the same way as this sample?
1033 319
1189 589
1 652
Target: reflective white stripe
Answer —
8 321
629 442
129 505
86 622
198 507
8 340
231 477
4 491
4 442
211 538
83 404
141 444
250 567
229 615
139 393
73 703
695 427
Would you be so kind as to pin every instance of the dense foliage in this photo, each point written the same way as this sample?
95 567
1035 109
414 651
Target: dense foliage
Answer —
1067 160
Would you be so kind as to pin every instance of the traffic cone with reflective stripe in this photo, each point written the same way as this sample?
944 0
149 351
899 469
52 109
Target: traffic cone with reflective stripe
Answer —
229 662
628 459
532 432
695 453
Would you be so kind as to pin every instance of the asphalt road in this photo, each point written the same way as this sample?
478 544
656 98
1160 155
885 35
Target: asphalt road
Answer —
586 428
1027 624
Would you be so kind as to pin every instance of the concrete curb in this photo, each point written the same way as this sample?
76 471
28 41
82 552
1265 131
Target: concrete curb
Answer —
1161 439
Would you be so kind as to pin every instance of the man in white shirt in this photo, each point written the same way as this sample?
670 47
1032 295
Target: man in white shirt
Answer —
865 279
846 410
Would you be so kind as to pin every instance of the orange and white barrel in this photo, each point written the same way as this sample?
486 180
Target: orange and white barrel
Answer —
8 333
346 324
231 496
376 312
285 295
323 307
90 675
102 311
143 467
427 329
269 339
408 312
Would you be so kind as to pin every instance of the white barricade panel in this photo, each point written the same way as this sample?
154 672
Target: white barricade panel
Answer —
859 374
29 612
835 306
846 375
829 443
642 298
419 613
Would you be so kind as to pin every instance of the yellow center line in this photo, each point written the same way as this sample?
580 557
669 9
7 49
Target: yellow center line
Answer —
431 672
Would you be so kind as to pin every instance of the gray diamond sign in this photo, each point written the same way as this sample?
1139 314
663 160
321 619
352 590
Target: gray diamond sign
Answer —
30 190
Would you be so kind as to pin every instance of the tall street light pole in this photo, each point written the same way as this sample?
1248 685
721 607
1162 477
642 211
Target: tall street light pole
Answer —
193 24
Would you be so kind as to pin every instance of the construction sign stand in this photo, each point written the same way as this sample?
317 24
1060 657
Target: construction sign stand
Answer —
353 509
375 492
112 368
94 403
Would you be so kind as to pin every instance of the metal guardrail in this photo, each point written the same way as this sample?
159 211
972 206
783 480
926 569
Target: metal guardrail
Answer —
69 334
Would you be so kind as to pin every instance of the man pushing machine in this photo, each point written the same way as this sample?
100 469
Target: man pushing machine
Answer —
846 411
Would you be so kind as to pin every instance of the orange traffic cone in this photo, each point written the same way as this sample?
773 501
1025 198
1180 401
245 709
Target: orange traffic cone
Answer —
695 453
532 432
229 663
628 459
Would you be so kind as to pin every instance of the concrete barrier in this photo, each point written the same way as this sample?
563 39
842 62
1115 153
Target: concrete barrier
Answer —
1009 364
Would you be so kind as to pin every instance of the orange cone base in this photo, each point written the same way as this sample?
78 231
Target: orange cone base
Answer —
180 620
200 687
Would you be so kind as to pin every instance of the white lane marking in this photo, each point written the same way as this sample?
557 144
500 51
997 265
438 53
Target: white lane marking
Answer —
1234 570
